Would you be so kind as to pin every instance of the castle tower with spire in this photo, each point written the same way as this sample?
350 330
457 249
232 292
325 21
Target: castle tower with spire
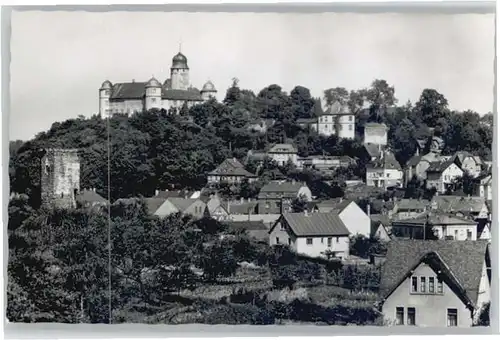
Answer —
179 72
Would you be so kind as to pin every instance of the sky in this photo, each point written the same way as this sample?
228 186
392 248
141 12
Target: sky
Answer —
60 59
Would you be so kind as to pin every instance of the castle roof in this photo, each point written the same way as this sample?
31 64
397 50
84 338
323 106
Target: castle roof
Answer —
137 90
153 82
179 61
106 85
208 87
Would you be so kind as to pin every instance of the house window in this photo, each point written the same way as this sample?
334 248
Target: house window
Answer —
309 241
414 284
153 100
452 317
411 316
329 242
431 285
107 92
440 286
62 194
277 240
326 127
340 127
289 242
469 234
337 240
322 240
350 119
400 316
422 284
456 234
282 227
350 127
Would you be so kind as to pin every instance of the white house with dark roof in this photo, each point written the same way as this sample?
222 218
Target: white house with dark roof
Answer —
282 153
473 207
435 283
334 120
384 172
127 98
313 235
442 174
230 171
380 227
353 217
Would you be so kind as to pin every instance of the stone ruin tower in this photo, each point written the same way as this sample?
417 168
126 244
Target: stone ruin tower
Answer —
60 179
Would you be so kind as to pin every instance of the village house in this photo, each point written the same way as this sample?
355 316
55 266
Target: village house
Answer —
384 172
443 225
418 165
89 198
283 153
230 171
187 206
335 120
216 207
407 207
261 125
473 165
473 207
256 230
483 186
353 217
435 283
276 196
324 164
442 175
380 227
315 235
375 133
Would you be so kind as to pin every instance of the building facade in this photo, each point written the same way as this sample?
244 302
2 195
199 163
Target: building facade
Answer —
435 283
375 134
313 235
60 177
175 92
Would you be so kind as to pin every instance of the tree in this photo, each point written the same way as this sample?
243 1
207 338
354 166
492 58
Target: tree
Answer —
380 95
415 188
432 106
218 260
336 95
299 204
301 101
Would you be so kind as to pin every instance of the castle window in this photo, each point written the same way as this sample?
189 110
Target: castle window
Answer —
107 92
47 168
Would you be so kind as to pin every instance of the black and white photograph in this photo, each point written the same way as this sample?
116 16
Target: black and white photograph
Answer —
251 168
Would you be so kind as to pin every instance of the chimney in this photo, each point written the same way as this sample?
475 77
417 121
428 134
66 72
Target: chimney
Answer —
368 210
242 200
157 192
341 199
306 213
94 189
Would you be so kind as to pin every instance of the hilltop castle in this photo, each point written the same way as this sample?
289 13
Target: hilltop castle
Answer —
139 96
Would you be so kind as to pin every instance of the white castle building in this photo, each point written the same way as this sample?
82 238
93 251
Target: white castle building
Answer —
333 120
139 96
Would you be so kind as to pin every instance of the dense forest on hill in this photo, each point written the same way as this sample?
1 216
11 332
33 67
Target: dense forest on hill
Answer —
151 150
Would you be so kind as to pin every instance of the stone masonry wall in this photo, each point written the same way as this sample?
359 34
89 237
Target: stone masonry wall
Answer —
60 177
